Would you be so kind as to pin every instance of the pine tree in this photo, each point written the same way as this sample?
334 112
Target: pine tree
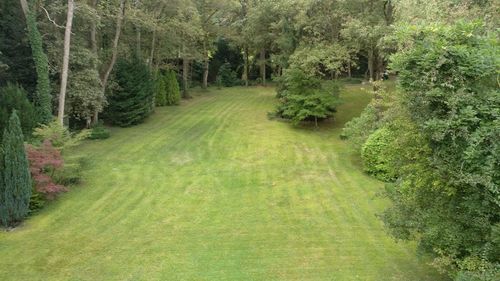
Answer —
15 190
132 101
173 90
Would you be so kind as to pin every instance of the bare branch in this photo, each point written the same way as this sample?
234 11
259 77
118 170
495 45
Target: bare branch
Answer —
51 20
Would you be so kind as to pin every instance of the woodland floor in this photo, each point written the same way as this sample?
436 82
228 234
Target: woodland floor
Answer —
213 190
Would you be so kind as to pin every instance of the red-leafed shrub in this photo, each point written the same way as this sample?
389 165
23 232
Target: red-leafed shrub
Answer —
44 161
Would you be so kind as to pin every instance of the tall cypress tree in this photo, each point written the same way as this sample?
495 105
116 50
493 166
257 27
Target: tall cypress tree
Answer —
15 190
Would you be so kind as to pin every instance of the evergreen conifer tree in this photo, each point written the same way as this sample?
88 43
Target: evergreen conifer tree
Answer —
132 102
173 90
15 188
161 90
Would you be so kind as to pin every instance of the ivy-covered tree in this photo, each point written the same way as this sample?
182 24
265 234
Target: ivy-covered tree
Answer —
16 187
131 102
43 97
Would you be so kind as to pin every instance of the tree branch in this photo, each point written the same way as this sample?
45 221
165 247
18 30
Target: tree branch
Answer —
51 20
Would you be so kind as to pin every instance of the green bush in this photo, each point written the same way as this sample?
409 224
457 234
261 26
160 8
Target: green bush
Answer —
60 137
160 89
376 154
37 202
99 132
13 97
173 93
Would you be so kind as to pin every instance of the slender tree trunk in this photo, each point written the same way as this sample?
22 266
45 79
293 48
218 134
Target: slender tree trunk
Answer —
245 67
64 72
185 78
24 6
138 41
349 69
263 65
205 66
370 64
104 80
152 53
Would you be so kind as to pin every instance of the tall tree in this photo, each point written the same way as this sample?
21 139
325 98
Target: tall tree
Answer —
64 72
15 188
43 97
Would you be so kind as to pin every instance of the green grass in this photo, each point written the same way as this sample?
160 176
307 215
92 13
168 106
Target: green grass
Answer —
213 190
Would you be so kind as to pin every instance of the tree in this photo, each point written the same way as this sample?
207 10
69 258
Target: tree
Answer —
15 188
15 98
450 202
173 96
132 101
15 51
43 97
304 98
161 89
64 72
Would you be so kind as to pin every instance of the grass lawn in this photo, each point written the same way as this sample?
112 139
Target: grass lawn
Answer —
213 190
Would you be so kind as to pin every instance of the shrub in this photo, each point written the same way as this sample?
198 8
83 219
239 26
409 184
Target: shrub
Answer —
160 89
15 180
306 98
60 137
12 98
44 162
376 156
131 102
98 132
173 91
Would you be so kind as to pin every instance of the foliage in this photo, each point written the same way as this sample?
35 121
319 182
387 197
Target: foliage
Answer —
44 162
15 51
60 137
85 95
173 91
359 128
449 202
226 76
304 97
98 131
13 97
43 97
321 59
376 160
160 89
132 101
15 185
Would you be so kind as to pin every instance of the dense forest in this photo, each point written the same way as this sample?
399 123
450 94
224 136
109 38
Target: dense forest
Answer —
72 70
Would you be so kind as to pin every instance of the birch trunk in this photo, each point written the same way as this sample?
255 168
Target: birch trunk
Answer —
64 72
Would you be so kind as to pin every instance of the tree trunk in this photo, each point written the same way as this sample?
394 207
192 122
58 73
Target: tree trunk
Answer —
138 39
245 67
205 66
64 72
24 6
185 78
104 80
152 53
370 64
349 69
263 66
